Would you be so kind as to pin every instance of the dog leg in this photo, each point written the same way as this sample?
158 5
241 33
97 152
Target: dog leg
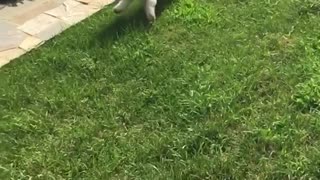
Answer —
121 6
150 9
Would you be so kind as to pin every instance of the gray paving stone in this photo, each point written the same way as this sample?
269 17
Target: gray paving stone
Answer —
30 24
27 10
72 12
10 36
30 43
8 55
43 26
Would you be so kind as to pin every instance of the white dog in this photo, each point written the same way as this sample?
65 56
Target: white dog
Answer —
150 8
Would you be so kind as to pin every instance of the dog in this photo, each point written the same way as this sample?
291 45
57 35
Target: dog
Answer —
149 6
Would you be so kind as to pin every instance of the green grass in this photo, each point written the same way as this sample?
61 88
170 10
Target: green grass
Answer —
215 89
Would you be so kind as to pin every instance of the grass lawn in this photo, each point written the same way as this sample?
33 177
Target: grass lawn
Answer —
214 89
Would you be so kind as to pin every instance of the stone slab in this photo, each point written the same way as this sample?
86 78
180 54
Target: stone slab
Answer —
8 55
101 3
43 26
27 10
72 12
10 37
85 1
31 23
30 43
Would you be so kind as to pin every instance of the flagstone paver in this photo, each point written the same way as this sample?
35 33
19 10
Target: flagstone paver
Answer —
43 26
28 10
10 37
9 55
30 42
27 26
100 3
85 1
72 12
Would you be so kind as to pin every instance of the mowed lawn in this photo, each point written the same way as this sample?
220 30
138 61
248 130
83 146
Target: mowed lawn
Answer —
214 89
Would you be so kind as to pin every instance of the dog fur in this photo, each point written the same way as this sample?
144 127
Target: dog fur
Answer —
149 6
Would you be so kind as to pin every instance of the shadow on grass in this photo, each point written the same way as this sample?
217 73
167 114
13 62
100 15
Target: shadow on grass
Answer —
135 20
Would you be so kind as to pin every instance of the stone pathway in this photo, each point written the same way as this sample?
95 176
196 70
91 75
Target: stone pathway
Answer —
29 25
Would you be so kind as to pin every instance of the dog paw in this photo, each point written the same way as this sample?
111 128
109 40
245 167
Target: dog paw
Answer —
117 10
151 18
151 15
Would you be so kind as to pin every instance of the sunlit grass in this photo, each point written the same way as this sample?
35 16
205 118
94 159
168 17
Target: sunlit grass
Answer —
223 89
